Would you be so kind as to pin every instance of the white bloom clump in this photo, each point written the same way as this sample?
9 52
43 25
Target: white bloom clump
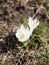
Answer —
23 34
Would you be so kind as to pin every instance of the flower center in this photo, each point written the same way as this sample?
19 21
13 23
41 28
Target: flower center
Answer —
33 24
22 35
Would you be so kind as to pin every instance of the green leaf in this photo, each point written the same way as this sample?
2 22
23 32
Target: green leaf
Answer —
38 1
47 11
25 45
46 0
41 30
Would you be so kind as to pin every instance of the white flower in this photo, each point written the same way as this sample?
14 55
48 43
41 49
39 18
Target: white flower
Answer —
33 24
23 34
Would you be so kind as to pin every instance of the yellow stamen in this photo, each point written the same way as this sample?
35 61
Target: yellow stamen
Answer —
22 35
33 24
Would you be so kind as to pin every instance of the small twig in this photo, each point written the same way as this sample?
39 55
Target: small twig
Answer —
4 58
1 40
39 8
30 8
